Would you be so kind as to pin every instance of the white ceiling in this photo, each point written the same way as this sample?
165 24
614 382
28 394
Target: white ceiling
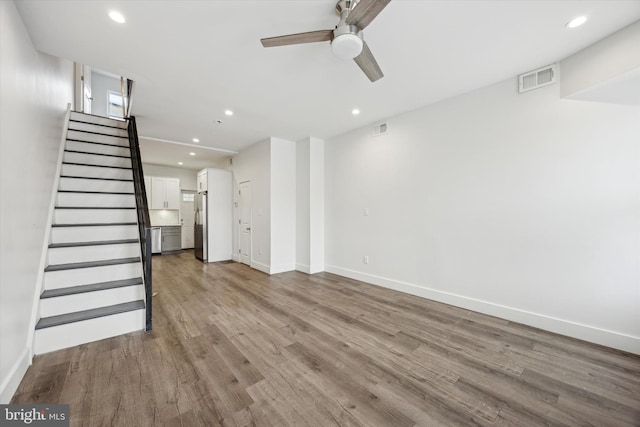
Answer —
191 60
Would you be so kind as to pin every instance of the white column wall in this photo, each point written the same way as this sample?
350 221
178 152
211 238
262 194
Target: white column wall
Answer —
310 205
607 71
303 206
283 205
254 164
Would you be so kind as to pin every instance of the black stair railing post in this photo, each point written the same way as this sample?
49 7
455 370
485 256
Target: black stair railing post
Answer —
147 275
144 222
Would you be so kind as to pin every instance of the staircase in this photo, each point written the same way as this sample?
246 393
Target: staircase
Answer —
93 286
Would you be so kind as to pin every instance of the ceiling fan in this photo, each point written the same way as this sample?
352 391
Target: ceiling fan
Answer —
346 40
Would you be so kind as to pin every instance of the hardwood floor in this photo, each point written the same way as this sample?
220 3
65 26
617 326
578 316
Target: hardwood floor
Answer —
235 347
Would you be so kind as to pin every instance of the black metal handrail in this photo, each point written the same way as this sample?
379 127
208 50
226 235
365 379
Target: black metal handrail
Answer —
144 223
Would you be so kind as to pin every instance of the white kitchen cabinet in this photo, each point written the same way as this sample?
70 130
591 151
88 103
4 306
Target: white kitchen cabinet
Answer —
147 188
173 193
165 193
202 181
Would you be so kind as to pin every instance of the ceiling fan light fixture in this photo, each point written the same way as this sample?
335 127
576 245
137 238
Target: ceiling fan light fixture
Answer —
347 46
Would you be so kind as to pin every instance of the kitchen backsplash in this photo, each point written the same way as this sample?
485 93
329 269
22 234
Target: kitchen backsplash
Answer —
164 217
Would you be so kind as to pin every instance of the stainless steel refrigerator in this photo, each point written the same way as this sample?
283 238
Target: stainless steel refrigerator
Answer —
200 237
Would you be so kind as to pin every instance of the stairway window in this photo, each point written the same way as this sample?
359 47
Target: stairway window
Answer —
114 105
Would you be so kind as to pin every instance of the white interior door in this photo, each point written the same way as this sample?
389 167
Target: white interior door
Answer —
187 218
245 222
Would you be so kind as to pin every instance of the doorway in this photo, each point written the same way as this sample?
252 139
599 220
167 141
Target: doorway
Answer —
245 223
83 96
187 218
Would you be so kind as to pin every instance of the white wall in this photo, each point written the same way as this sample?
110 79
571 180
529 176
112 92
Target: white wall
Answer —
35 91
253 164
283 205
100 85
187 177
522 206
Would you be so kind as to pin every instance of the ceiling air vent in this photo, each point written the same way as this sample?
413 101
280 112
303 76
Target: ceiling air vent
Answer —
381 129
538 78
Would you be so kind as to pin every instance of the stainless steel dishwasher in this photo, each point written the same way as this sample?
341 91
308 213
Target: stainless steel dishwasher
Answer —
156 240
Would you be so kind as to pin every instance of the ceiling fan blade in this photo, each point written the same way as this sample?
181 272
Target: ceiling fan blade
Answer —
368 64
310 37
365 11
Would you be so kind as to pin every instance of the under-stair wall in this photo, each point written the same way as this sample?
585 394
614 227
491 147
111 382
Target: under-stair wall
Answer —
93 287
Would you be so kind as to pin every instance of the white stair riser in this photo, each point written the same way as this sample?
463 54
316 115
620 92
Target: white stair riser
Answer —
72 334
96 172
92 253
89 216
97 148
97 159
89 300
97 119
106 139
107 130
96 200
86 234
76 184
84 276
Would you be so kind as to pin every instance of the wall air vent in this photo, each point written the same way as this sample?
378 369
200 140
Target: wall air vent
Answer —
380 129
538 78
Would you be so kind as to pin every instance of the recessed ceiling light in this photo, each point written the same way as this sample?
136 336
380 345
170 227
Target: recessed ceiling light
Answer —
228 112
117 16
192 154
576 22
180 163
195 140
355 111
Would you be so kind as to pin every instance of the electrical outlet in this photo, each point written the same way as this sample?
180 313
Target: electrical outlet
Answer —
365 259
366 211
259 251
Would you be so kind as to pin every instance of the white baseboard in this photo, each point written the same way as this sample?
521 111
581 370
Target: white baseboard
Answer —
310 269
259 266
272 270
282 268
303 268
16 373
235 258
592 334
316 268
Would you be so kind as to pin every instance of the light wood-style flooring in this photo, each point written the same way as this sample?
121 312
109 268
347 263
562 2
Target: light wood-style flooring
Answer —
233 346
